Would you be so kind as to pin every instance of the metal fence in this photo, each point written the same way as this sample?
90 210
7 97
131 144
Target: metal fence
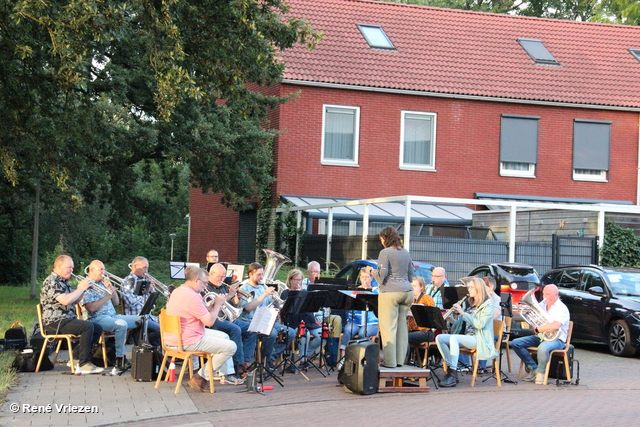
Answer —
458 256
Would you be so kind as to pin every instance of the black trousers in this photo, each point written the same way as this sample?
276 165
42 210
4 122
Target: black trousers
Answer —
89 333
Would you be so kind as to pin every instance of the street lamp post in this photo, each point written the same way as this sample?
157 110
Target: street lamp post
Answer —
173 236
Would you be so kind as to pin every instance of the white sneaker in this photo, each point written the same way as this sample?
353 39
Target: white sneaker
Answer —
90 368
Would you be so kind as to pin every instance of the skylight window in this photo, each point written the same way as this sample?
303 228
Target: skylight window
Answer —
635 53
538 52
375 36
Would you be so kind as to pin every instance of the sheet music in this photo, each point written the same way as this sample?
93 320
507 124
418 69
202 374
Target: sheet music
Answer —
263 320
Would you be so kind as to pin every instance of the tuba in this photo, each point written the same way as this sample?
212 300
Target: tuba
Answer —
272 265
533 313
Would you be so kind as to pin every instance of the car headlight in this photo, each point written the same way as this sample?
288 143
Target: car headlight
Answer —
513 285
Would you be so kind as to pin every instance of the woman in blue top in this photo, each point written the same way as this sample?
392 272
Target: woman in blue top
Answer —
355 319
394 274
473 329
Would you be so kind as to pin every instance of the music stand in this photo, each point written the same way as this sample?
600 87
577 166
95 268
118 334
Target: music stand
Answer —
262 323
453 294
291 307
306 302
507 311
429 317
362 301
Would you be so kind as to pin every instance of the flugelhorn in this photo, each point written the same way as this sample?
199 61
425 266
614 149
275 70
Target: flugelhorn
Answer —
227 311
94 285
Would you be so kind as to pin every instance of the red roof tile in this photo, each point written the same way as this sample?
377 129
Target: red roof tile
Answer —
467 53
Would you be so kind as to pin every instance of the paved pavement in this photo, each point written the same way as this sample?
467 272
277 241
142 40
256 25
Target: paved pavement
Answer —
608 394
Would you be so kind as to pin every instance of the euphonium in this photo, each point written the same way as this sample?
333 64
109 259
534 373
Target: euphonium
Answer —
94 285
272 265
533 313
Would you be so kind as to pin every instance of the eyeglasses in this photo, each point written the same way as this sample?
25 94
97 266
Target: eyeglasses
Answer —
298 279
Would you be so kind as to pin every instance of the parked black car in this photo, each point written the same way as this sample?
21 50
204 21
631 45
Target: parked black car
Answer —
604 303
516 279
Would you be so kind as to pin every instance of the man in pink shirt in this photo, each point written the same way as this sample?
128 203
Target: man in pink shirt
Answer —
187 303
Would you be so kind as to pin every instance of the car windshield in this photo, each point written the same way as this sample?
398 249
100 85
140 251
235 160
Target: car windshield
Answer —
625 284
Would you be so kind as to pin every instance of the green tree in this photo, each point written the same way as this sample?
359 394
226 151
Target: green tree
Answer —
582 10
93 94
620 12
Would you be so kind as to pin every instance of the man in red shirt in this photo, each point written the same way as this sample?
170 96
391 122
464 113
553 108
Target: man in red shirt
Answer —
187 303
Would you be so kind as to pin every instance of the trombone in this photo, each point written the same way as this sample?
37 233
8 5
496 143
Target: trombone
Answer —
158 284
94 285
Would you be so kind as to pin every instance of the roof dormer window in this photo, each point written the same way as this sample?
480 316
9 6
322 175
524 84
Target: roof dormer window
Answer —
635 53
538 52
376 37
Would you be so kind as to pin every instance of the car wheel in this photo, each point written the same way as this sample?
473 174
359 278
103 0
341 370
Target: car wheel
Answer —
620 339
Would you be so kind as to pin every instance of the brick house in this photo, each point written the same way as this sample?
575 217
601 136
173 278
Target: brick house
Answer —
401 99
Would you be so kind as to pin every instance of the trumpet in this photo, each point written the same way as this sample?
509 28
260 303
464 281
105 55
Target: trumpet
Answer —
276 301
158 284
94 285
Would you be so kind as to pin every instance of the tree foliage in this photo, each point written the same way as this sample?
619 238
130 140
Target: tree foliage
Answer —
608 11
93 94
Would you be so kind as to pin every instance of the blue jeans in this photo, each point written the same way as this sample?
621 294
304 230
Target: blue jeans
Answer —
519 345
313 343
351 330
238 332
118 325
449 346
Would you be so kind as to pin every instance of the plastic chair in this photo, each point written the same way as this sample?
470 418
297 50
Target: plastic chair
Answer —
171 325
50 338
563 351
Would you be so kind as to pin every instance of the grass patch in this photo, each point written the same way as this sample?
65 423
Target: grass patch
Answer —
8 376
15 305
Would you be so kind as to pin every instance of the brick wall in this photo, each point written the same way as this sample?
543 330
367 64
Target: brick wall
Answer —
213 226
467 156
467 149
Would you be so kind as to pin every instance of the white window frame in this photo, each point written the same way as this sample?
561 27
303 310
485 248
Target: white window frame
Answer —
413 166
529 173
356 137
601 176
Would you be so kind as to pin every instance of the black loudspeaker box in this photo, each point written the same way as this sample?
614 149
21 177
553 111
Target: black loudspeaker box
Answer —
361 372
143 364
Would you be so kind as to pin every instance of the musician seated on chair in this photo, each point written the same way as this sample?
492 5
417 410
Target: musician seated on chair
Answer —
59 315
473 329
312 339
195 316
134 303
237 329
438 281
263 297
212 258
356 319
559 315
98 307
334 321
417 334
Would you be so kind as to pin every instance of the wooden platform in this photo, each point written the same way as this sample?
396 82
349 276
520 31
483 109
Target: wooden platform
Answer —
393 380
